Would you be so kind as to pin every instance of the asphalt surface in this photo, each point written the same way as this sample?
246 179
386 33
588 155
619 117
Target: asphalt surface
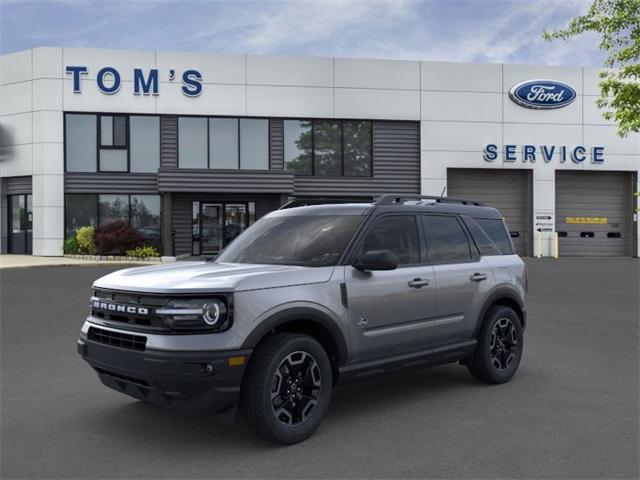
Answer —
570 412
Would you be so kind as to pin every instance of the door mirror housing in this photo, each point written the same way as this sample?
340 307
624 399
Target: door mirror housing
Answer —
377 260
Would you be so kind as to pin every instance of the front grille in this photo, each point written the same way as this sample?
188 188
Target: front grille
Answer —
117 339
146 321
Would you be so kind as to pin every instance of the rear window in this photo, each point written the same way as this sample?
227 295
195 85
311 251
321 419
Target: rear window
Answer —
497 232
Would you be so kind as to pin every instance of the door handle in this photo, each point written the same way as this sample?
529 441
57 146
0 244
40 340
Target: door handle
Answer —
478 277
418 283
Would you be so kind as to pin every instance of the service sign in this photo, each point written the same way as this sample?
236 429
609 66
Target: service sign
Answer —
544 220
542 94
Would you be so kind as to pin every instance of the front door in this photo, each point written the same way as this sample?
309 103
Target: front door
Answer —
20 222
391 312
211 228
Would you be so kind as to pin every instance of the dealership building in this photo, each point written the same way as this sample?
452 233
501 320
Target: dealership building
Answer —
191 148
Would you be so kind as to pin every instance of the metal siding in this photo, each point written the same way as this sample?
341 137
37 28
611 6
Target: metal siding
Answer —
396 166
182 213
225 181
276 144
18 185
594 194
110 183
168 141
506 190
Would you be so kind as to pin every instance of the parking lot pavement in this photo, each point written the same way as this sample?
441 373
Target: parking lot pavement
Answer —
570 412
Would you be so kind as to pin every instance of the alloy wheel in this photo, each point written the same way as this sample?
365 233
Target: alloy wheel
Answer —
504 343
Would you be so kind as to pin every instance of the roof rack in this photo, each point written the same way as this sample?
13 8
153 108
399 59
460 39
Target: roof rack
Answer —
391 199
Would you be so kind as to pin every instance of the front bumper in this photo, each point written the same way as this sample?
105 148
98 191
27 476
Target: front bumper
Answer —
195 380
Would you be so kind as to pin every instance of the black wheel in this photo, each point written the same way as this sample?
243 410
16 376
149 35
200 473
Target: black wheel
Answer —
500 344
286 389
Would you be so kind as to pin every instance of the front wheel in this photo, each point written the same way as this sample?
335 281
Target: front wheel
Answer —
287 387
500 345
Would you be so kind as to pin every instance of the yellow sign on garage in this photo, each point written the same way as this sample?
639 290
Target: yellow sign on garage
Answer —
587 220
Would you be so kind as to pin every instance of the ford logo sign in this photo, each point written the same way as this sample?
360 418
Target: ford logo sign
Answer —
542 94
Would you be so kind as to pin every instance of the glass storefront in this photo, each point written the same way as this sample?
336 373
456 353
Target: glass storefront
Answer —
216 224
20 224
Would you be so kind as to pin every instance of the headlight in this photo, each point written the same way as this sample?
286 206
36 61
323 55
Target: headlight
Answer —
209 314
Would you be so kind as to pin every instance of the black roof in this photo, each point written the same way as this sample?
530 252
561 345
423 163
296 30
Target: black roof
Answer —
398 203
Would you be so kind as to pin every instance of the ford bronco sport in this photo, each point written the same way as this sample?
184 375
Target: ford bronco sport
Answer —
308 297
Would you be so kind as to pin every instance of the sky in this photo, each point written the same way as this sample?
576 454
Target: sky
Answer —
486 31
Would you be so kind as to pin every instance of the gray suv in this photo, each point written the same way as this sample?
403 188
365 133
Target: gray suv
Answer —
309 297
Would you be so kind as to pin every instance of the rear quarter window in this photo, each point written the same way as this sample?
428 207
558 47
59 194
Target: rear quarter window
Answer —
496 230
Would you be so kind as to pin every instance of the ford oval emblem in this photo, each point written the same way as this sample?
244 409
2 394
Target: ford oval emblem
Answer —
542 94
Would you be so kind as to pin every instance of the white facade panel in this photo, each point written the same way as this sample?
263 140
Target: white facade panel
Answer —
47 62
461 77
95 59
16 129
93 100
289 101
385 74
592 114
47 94
48 247
461 106
48 126
222 99
288 71
15 98
48 158
49 222
608 135
16 161
514 113
542 134
213 68
15 67
591 78
514 74
48 191
377 104
459 136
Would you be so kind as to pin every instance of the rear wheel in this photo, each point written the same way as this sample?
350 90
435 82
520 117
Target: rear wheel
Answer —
286 389
500 345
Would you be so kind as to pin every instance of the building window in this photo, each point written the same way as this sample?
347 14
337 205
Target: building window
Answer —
254 144
192 142
80 142
297 146
112 143
223 143
329 147
145 143
142 212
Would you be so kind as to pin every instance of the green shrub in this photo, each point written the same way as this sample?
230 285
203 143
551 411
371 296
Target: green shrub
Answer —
84 237
143 252
71 245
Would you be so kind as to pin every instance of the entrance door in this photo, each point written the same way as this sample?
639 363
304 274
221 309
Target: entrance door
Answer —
20 222
211 228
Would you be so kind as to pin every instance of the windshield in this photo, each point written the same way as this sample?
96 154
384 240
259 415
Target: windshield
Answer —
310 241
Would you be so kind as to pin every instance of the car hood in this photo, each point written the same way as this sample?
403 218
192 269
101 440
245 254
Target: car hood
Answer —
194 277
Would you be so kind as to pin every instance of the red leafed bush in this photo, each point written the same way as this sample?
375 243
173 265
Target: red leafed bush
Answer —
116 238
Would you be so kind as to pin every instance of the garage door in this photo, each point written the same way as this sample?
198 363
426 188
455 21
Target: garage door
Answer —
506 190
593 213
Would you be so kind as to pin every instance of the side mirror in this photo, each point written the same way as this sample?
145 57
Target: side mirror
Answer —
377 260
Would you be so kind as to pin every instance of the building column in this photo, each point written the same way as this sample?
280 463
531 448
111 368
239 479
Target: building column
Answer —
544 206
167 225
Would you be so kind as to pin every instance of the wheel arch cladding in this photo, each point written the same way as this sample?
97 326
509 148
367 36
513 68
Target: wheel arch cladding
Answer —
505 297
306 321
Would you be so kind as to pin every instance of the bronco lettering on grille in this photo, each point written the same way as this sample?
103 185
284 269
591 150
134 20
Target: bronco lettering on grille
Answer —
114 307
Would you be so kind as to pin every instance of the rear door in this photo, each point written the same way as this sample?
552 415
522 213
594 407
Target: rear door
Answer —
462 278
390 311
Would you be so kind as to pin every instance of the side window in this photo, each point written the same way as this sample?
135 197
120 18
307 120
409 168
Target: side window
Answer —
486 246
398 233
446 240
497 232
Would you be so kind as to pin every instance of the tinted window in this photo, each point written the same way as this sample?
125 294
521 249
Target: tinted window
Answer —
80 142
113 160
192 142
484 243
357 148
446 240
81 210
398 234
112 208
254 144
327 138
145 143
223 142
311 241
145 217
297 146
497 232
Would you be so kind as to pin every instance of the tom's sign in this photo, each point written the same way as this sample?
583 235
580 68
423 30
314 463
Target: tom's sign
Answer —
542 94
108 80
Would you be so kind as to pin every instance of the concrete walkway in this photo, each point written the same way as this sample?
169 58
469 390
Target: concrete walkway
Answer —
24 261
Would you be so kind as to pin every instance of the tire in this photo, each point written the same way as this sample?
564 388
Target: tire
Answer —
500 345
297 369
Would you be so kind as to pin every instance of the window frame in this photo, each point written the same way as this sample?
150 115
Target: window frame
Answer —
474 254
98 116
239 156
341 121
101 147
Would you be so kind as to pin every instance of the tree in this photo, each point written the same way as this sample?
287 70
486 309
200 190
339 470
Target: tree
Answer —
618 23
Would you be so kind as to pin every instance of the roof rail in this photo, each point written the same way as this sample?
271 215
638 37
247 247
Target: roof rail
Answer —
391 199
